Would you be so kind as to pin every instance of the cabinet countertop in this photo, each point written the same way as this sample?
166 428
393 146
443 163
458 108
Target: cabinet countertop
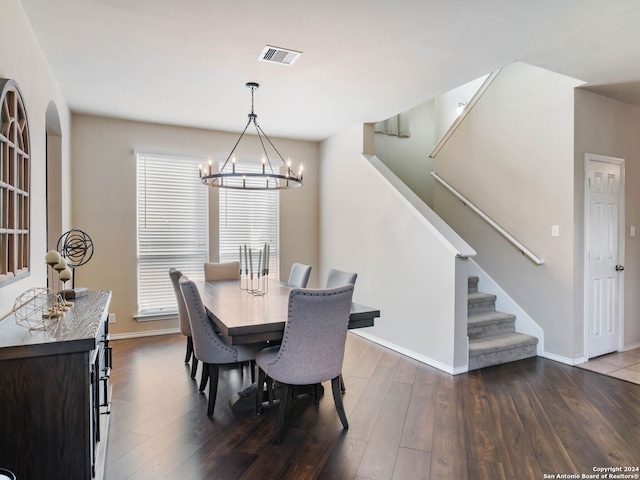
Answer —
76 331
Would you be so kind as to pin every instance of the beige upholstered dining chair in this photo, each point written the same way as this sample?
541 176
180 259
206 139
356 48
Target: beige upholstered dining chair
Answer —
211 349
299 275
221 271
183 318
312 348
335 278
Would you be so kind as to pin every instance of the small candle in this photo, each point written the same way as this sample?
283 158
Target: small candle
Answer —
246 263
210 163
264 161
240 262
266 259
200 170
251 263
233 164
259 263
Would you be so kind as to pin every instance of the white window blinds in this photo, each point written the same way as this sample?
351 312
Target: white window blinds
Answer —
172 228
249 217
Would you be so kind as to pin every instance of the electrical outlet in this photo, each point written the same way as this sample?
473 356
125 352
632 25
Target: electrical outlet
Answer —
112 318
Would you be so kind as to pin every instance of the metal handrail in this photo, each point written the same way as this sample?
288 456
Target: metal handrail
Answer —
525 251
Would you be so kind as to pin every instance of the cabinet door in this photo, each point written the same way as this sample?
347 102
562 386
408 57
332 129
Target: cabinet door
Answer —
44 431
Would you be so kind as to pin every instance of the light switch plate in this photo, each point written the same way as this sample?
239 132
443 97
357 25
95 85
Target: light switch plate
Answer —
632 231
555 230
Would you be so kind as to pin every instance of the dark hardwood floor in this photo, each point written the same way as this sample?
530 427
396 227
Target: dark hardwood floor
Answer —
407 421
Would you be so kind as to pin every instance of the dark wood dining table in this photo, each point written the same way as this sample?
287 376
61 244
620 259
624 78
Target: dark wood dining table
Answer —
245 318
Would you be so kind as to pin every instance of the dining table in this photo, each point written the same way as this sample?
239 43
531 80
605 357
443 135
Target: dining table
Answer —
242 317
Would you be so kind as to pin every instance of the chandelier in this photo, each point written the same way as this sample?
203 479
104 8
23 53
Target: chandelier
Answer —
268 178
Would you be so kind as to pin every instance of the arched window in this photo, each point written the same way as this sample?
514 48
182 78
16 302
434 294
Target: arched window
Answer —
15 184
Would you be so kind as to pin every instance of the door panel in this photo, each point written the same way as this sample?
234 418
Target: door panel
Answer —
603 251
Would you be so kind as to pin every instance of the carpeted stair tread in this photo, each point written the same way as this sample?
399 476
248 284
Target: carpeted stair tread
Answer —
492 335
487 324
490 317
478 302
474 297
498 343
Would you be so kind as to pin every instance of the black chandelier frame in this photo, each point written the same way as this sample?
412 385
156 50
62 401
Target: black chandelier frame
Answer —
238 180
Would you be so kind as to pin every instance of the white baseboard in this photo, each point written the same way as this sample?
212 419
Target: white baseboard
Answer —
411 354
631 346
565 360
146 333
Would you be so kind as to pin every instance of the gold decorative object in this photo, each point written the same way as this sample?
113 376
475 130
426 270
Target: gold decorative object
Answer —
38 308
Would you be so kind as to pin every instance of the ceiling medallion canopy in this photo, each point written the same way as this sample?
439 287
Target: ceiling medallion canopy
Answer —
269 178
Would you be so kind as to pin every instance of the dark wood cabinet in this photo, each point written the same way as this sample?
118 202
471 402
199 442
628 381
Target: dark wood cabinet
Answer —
53 394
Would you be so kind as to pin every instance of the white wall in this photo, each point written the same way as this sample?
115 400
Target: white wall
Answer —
104 201
446 105
408 157
368 227
513 157
22 60
610 127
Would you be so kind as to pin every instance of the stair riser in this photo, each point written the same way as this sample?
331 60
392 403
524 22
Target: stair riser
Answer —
504 356
481 331
481 306
492 335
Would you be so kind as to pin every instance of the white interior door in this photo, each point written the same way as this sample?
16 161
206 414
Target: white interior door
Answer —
605 203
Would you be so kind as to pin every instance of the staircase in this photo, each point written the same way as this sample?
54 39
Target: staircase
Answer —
492 335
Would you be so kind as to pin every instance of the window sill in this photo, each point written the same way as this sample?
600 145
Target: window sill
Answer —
152 317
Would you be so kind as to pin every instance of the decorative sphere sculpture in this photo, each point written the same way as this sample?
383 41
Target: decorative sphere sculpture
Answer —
76 247
38 308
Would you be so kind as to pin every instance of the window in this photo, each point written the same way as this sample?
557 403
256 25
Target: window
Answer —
249 217
15 184
172 229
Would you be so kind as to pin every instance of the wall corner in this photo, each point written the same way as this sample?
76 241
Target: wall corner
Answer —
368 139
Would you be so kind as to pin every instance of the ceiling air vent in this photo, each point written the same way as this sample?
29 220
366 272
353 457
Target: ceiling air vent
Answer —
279 55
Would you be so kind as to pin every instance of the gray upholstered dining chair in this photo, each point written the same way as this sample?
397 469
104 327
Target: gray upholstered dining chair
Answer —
208 346
299 275
312 348
183 318
335 278
221 271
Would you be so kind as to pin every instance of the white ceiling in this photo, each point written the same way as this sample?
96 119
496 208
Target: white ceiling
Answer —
186 62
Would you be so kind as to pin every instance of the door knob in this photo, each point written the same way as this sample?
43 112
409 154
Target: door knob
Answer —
619 268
